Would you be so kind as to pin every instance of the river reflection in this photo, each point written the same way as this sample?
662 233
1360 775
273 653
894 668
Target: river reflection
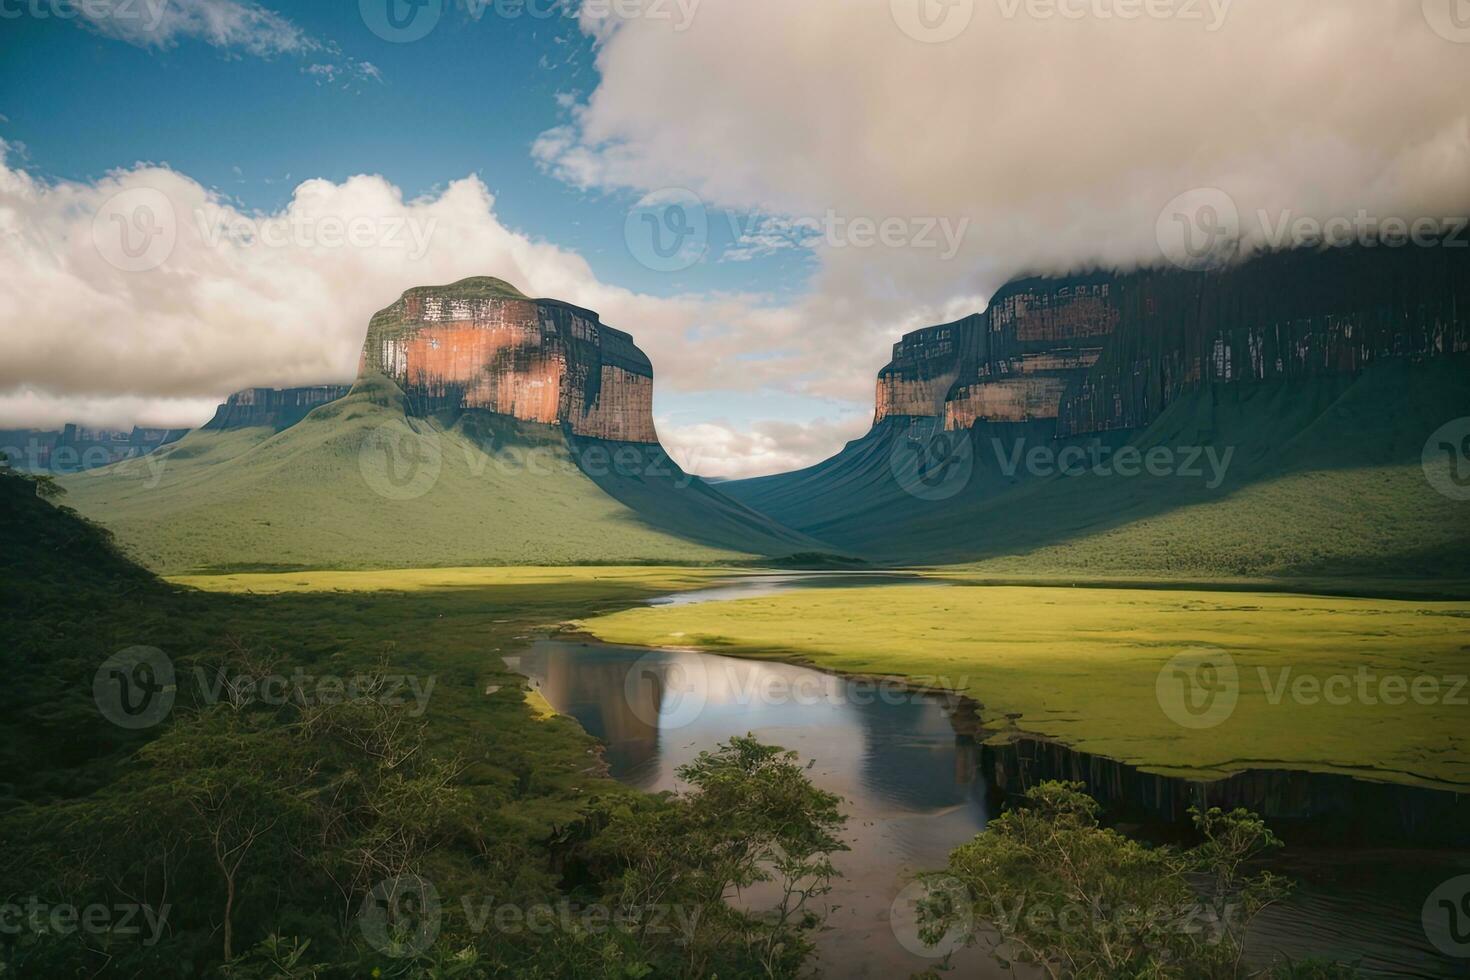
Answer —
908 779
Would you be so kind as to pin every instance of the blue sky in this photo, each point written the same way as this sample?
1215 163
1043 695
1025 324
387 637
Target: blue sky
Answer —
470 97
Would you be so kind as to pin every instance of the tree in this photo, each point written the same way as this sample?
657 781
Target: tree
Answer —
1046 885
752 817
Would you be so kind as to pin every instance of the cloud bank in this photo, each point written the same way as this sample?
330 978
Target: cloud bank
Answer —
1061 129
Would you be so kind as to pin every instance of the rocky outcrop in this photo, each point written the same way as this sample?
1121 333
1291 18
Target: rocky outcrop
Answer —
482 344
1039 337
1101 352
925 365
274 408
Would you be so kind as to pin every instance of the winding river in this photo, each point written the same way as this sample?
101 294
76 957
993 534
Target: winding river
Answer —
915 788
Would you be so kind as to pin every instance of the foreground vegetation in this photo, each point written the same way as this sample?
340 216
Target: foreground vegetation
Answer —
1048 887
351 783
1084 666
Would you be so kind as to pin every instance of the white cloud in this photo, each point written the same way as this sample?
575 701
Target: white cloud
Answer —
1060 130
219 299
719 449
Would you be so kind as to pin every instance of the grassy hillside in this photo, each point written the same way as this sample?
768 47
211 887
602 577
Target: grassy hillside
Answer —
1324 481
358 484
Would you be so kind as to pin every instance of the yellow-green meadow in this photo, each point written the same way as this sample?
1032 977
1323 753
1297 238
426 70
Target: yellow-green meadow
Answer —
1365 687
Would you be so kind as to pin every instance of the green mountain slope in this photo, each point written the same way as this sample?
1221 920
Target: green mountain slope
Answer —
359 484
1324 480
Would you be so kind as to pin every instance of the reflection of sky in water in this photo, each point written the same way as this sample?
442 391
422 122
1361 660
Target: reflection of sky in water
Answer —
910 783
754 586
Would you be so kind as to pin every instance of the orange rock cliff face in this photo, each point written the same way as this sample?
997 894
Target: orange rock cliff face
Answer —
481 344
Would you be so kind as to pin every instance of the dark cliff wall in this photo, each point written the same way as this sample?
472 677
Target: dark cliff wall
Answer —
1099 352
925 365
275 408
482 344
1285 316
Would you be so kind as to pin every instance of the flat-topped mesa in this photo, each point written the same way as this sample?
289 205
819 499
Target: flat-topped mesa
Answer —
925 364
273 408
1037 338
483 344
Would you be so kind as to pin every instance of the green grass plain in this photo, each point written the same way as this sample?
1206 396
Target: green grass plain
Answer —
1081 666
